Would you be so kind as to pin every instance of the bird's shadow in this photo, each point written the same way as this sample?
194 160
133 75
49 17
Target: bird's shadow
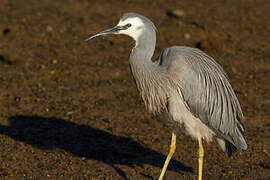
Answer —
85 141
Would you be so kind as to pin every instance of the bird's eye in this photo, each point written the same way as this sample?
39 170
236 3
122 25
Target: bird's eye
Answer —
127 26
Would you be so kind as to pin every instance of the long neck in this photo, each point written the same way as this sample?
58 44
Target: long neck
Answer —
148 75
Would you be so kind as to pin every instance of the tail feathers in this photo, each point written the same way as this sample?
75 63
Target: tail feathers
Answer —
230 148
226 146
233 141
239 139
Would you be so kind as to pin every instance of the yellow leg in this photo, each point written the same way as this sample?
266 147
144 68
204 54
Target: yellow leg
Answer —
200 157
172 150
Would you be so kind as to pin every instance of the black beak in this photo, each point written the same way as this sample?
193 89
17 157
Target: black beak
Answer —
108 31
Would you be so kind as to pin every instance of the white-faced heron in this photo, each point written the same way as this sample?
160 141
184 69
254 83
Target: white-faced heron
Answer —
187 86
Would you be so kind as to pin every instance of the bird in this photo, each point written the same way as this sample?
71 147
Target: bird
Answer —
185 86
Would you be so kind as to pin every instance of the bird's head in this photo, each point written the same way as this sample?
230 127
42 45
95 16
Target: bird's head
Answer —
131 24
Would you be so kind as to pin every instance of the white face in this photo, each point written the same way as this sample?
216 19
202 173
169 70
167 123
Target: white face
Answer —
136 28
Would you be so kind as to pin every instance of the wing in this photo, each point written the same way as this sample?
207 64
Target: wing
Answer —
206 91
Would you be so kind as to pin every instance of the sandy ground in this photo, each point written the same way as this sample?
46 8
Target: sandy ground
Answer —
70 109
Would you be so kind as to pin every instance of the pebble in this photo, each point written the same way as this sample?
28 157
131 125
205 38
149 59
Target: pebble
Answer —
187 36
176 13
17 99
49 29
70 113
54 61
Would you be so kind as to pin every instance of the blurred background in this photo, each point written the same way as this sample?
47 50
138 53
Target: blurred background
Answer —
70 109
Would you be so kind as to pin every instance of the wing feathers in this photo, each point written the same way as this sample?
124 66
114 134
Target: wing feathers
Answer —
207 93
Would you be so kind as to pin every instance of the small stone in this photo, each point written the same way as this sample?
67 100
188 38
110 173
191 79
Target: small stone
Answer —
187 36
176 13
42 66
17 99
49 29
54 61
70 113
37 100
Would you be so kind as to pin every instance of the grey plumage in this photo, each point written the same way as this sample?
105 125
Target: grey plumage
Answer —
207 94
204 86
185 85
205 90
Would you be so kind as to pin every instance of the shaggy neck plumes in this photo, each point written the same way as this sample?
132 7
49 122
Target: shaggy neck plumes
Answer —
151 80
